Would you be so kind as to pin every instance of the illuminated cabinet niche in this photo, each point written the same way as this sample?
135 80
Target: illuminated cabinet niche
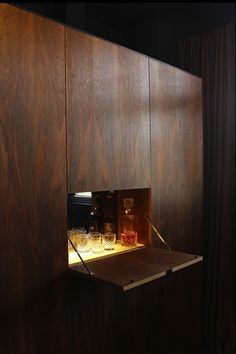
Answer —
125 267
80 215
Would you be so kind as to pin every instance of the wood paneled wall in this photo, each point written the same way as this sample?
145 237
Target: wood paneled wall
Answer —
107 115
33 182
176 156
108 148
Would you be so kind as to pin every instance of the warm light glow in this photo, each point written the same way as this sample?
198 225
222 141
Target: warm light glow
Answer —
84 194
90 256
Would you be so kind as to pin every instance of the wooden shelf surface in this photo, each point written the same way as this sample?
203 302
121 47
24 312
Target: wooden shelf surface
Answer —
129 270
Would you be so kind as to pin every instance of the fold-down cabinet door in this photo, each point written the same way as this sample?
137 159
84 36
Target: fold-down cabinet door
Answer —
132 269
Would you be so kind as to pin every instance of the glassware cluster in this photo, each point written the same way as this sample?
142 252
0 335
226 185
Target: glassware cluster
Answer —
105 222
92 241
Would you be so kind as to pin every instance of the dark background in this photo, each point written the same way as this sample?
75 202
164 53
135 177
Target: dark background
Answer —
154 29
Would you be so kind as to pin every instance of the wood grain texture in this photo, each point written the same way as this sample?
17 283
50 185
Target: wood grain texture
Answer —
158 317
107 114
33 182
130 270
176 156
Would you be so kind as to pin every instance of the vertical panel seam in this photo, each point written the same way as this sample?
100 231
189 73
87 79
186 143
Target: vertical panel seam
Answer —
66 153
149 109
150 146
66 135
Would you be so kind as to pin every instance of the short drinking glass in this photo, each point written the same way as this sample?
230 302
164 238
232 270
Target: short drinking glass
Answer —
96 242
82 241
109 239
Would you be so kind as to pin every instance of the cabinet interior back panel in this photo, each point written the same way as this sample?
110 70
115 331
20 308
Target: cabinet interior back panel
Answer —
107 115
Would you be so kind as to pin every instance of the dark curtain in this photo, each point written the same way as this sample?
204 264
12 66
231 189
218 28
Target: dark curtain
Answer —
211 55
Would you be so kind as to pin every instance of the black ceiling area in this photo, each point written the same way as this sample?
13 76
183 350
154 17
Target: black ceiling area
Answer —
154 29
202 16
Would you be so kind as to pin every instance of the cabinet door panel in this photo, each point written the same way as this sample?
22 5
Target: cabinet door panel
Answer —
107 115
176 156
32 182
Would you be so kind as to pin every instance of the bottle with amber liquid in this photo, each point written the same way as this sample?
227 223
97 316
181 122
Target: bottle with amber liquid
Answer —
109 220
129 235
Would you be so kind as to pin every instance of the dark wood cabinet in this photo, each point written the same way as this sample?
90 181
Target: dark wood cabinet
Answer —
176 156
74 116
33 181
108 130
